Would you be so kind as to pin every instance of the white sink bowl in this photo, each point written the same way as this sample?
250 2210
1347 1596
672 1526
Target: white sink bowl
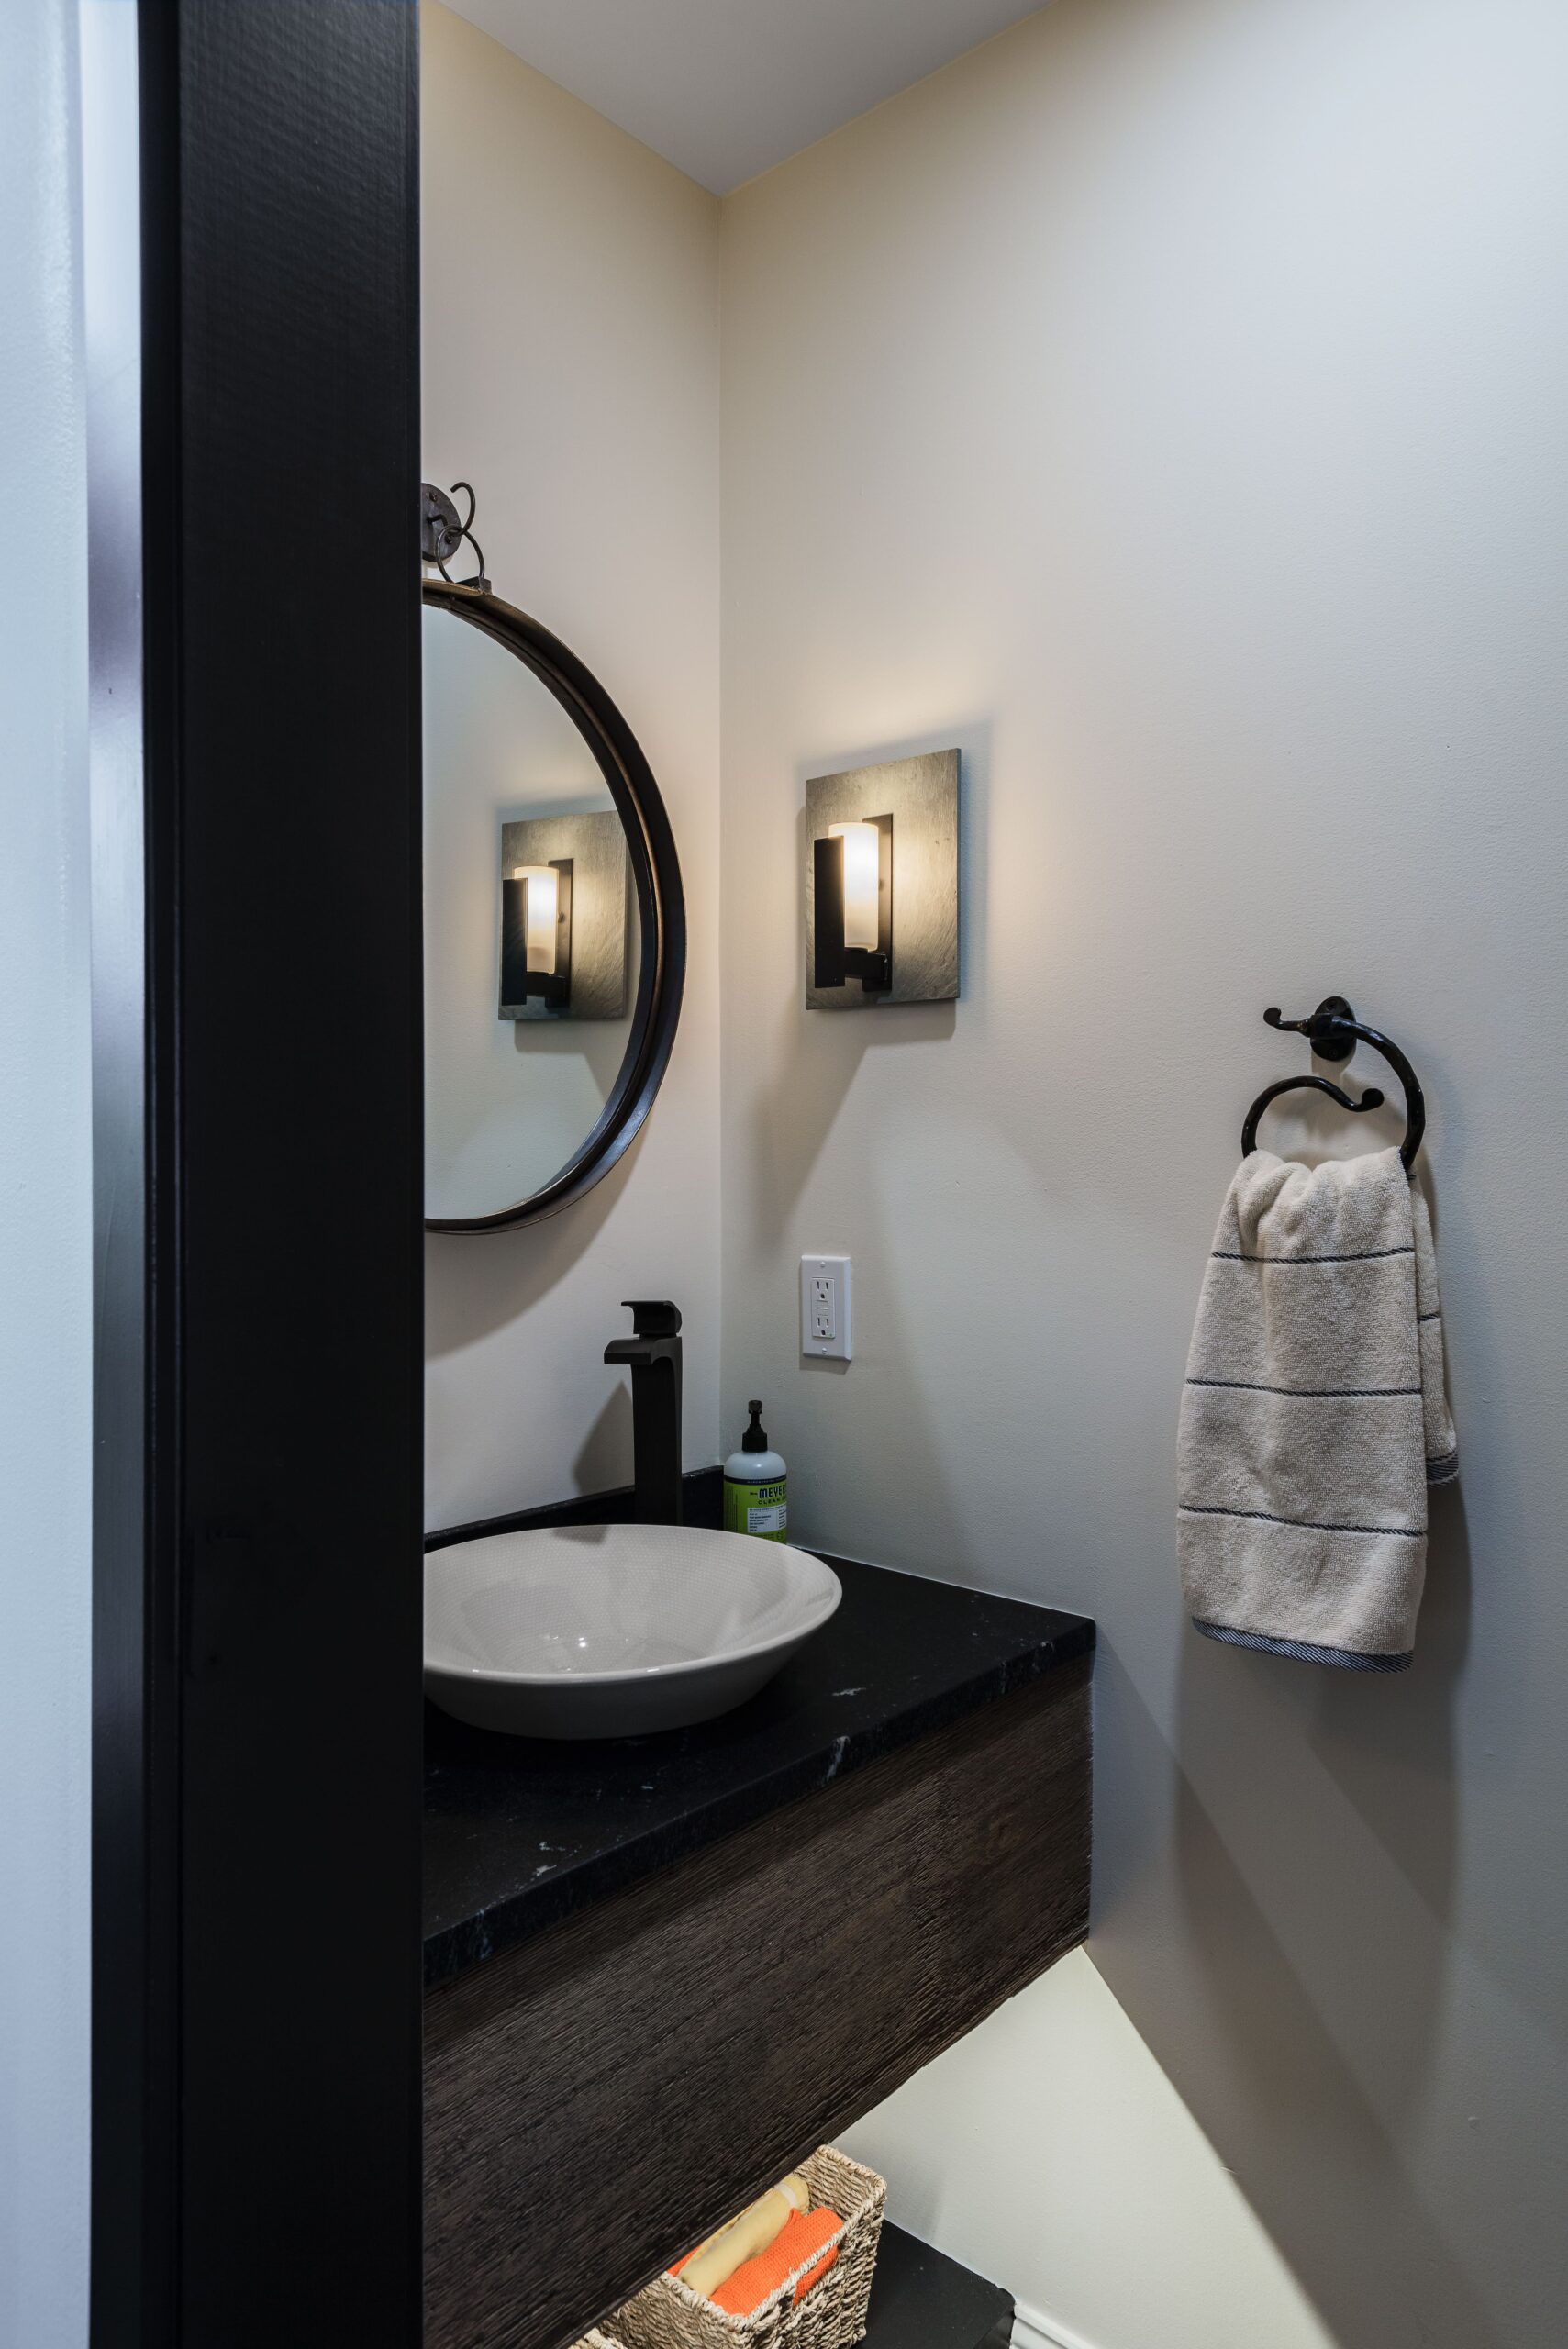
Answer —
614 1630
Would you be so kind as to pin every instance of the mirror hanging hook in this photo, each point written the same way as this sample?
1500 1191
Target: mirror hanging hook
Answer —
442 530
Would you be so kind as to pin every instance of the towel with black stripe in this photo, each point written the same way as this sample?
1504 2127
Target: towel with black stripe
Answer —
1314 1415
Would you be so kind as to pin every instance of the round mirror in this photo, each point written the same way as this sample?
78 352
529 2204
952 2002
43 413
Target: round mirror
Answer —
554 926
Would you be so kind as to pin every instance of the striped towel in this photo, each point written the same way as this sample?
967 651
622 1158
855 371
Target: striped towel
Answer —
1314 1415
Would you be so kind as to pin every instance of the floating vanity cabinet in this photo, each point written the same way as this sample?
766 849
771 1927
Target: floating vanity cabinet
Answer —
660 1973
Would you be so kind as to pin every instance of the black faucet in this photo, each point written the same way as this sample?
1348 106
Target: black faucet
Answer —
653 1357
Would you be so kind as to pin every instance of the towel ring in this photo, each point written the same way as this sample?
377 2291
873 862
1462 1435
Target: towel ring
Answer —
1333 1032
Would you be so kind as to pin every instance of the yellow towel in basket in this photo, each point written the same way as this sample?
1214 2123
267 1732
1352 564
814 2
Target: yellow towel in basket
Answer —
752 2282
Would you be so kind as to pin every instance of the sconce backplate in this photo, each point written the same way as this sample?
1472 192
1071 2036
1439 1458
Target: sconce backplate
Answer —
921 796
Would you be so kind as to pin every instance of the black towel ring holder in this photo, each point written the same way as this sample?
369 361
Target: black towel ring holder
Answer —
1333 1032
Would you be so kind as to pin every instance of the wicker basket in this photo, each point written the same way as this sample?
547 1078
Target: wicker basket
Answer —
666 2314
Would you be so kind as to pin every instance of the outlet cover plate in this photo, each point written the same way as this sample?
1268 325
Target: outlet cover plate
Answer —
825 1326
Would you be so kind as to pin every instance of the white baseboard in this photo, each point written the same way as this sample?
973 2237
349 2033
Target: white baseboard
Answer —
1032 2331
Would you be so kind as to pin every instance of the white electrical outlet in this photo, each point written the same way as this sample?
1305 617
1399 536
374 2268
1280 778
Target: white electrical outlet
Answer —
825 1307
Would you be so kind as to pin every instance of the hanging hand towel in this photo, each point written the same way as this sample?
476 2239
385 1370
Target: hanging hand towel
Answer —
1314 1415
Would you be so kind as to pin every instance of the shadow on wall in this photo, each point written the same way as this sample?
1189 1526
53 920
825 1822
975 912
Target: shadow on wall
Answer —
486 1279
601 1463
1317 1888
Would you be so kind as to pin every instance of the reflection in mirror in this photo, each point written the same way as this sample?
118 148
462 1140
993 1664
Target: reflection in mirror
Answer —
531 937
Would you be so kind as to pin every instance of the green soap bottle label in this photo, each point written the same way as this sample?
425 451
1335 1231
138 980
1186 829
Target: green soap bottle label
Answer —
763 1510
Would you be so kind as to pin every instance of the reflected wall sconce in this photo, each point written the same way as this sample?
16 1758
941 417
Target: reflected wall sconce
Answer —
536 933
563 918
867 873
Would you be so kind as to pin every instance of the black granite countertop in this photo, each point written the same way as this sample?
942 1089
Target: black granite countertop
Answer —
519 1833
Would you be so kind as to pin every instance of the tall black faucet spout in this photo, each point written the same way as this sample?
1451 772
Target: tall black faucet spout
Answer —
653 1357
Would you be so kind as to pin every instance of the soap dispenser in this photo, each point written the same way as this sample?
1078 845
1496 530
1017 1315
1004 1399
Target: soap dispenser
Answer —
755 1492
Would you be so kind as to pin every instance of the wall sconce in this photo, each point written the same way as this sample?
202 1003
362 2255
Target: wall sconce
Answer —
563 918
536 933
863 867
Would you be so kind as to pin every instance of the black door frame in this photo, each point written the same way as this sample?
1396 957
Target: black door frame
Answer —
258 1709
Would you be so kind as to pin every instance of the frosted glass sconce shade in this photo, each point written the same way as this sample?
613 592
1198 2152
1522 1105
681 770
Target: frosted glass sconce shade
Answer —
541 899
863 846
536 934
853 870
881 890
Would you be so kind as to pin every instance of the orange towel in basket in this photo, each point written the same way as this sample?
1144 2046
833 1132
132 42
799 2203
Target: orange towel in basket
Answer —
801 2235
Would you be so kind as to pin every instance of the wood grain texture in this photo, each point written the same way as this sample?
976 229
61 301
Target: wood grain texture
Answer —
601 2096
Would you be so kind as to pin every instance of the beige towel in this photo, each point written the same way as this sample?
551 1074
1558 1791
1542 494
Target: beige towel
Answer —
1314 1415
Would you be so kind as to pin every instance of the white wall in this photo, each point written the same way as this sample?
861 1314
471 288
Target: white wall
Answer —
571 334
1165 404
45 1200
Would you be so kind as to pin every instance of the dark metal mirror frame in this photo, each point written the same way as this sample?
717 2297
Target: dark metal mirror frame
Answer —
659 903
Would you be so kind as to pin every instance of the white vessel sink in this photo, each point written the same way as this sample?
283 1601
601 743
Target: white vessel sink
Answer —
614 1630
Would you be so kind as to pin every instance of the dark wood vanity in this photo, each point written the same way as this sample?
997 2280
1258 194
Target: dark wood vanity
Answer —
659 1973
